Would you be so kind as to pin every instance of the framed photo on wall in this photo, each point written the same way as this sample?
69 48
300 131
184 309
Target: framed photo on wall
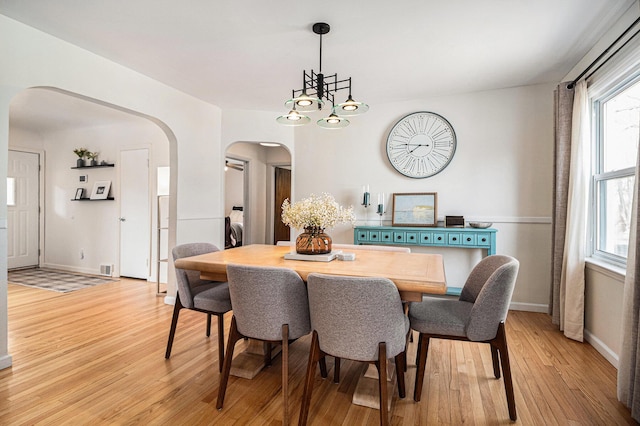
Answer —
101 190
79 194
415 209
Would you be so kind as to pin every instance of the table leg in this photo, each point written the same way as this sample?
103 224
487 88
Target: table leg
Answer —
366 392
248 363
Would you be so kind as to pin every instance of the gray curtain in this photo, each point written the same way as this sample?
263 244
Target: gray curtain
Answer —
563 109
629 368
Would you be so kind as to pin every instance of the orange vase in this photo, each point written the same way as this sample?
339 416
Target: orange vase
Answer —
313 241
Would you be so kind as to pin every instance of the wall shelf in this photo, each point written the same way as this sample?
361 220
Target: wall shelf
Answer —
95 167
89 199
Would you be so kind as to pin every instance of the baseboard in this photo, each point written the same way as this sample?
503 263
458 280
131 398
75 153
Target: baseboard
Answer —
602 349
529 307
170 300
67 268
6 361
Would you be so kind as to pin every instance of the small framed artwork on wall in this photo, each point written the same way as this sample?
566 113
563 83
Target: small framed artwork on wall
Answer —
101 190
415 209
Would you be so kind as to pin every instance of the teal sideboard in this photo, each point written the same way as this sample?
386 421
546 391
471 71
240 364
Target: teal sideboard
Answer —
432 237
464 238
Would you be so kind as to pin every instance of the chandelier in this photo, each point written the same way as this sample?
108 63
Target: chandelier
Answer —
317 89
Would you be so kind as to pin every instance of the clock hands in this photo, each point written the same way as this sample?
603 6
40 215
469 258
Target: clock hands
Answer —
418 145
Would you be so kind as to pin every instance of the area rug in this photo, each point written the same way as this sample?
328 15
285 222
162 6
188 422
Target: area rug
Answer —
61 282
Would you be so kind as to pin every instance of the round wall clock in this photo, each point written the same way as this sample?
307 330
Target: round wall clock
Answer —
421 144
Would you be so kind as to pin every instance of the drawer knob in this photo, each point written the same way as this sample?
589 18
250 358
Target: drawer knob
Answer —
468 238
439 238
455 239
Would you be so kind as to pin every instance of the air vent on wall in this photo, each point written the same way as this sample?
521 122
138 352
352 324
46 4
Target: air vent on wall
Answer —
106 270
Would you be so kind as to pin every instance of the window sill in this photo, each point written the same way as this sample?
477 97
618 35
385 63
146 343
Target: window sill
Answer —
612 271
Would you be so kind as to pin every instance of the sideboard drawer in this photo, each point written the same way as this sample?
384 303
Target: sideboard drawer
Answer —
386 237
439 238
411 237
398 237
483 240
454 239
469 239
374 236
362 236
425 238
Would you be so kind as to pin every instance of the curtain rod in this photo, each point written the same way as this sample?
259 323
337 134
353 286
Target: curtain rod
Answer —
592 64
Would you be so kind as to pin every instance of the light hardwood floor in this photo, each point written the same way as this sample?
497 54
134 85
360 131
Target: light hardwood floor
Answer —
96 356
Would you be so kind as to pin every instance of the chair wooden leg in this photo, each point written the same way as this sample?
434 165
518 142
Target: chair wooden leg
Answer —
234 336
314 356
501 343
174 322
323 367
401 365
220 341
381 364
208 325
423 344
496 361
336 370
267 353
285 374
418 348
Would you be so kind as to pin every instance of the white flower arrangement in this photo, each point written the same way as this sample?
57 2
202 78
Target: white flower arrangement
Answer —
316 211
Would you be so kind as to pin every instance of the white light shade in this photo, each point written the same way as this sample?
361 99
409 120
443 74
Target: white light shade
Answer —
294 118
163 180
304 103
351 107
333 122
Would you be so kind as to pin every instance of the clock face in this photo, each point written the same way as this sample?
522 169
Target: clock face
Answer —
421 144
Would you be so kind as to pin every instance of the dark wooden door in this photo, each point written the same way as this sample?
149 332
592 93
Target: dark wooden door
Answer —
283 191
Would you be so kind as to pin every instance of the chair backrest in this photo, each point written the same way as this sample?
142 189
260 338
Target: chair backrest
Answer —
489 287
265 298
353 314
356 247
185 280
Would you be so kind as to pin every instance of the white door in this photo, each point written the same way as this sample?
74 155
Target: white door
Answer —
135 227
22 209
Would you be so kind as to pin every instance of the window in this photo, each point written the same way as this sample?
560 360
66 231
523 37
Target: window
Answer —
617 118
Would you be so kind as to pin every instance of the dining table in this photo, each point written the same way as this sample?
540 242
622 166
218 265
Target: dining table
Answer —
414 274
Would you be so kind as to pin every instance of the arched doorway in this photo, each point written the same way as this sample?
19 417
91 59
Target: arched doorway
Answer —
54 122
263 164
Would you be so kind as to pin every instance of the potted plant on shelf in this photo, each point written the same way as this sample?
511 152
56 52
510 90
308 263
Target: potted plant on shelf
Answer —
81 153
314 214
92 157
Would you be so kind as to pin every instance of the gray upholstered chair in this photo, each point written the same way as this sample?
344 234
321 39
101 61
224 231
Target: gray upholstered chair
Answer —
478 316
269 304
209 297
356 318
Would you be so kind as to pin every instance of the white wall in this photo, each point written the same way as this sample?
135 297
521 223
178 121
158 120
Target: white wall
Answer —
192 126
72 226
501 173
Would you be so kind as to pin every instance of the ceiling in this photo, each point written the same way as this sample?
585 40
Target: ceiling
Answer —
250 54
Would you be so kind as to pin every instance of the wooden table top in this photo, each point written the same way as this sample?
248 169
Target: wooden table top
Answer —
413 273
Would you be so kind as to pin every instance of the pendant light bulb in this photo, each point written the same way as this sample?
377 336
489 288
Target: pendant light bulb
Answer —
294 118
333 122
351 107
